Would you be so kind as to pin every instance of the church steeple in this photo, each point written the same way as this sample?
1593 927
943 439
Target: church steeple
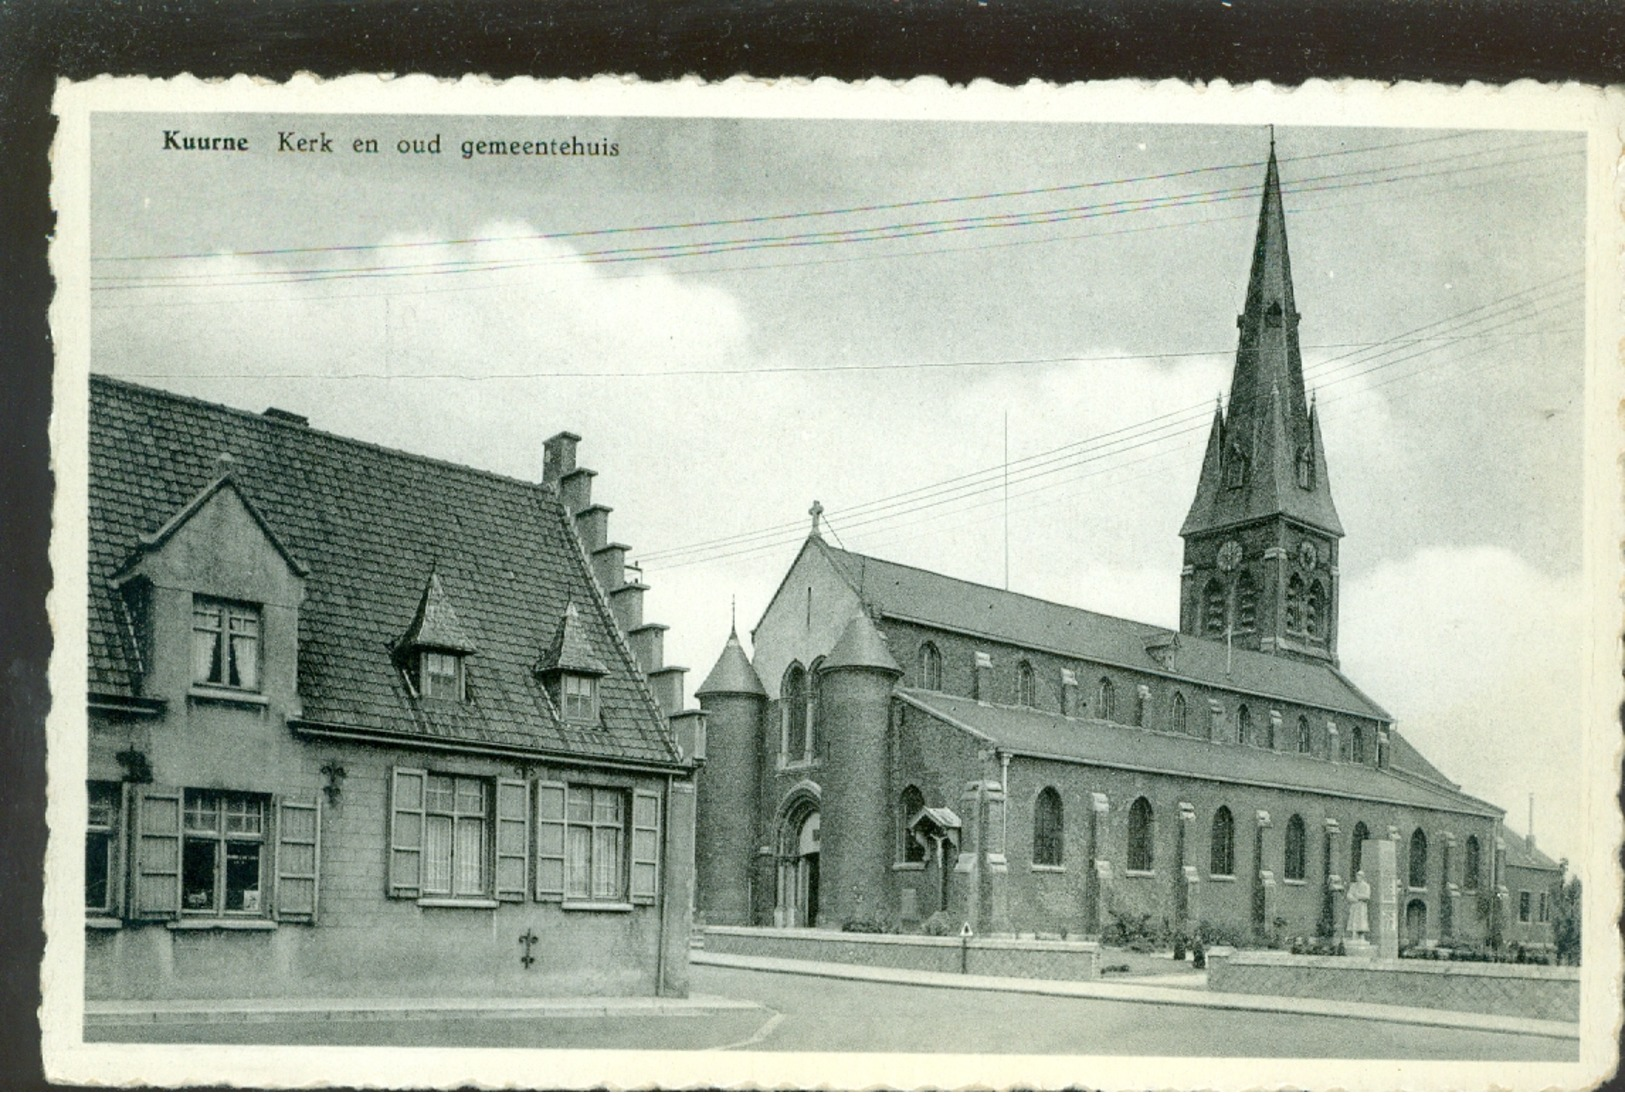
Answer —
1263 512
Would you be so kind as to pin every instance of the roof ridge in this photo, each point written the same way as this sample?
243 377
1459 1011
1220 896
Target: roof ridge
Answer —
258 417
1184 637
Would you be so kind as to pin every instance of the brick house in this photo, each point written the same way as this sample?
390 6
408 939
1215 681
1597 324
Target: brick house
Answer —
366 723
1532 882
902 742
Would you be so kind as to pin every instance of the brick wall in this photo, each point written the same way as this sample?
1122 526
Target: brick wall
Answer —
1073 961
1544 993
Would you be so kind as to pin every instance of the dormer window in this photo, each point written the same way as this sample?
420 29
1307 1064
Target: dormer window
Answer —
225 644
440 675
580 698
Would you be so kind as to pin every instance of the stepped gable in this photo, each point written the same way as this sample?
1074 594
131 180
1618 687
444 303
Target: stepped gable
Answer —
911 593
369 523
1094 741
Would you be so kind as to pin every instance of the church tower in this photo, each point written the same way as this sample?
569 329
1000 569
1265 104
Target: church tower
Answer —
1261 538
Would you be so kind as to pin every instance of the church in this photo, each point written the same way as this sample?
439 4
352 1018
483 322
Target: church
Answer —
902 744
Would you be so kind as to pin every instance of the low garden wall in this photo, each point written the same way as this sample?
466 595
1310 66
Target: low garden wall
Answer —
1063 960
1502 989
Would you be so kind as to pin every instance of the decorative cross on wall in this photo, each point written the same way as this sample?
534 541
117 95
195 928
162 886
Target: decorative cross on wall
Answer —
530 940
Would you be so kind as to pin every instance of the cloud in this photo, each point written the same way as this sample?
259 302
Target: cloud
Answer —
1479 656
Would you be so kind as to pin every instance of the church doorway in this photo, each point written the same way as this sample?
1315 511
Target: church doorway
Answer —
798 867
1416 922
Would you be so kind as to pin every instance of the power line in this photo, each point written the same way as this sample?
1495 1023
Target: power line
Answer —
1199 413
766 218
828 238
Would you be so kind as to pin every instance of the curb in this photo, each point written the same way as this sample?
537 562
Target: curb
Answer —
117 1013
1154 994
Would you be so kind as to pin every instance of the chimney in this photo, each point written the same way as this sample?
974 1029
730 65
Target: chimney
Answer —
559 457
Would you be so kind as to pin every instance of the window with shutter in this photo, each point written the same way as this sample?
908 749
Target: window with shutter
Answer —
298 859
645 846
157 854
512 839
550 798
406 825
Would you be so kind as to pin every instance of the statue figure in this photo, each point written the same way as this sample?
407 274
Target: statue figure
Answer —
1358 895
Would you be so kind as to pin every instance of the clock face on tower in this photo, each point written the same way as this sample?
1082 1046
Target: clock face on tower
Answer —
1307 556
1229 556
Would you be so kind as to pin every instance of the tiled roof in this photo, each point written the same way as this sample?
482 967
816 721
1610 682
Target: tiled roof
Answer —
1095 741
370 523
1522 854
436 625
957 605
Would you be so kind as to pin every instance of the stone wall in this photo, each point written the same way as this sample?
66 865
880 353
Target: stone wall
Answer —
1501 989
1063 960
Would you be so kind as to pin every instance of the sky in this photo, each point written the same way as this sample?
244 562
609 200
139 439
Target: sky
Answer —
742 316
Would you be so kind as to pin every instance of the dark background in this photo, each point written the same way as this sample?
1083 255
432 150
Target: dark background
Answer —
1008 42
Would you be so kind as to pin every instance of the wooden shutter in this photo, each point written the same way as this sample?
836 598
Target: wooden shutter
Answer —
550 840
512 839
157 874
406 823
298 859
645 846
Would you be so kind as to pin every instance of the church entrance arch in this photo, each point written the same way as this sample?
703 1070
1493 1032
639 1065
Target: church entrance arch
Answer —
797 902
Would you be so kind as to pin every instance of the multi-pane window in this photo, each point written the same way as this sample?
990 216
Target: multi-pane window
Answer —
1523 907
1026 686
455 823
1222 847
223 853
440 675
1047 828
1304 744
225 644
1296 840
1141 834
1176 714
1244 725
1469 872
101 845
795 711
595 828
1105 700
580 698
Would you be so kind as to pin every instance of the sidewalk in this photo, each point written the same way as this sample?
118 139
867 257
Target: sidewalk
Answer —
107 1013
1148 992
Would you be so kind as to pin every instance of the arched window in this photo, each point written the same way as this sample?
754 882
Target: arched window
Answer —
1141 836
1357 847
1294 604
1304 745
911 804
1222 847
1026 685
1357 745
1047 829
794 694
1314 614
1246 603
815 706
930 667
1418 876
1295 841
1176 714
1270 726
1213 616
1142 705
1105 700
1469 873
1244 725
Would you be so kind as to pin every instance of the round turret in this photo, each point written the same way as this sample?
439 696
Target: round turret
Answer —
728 787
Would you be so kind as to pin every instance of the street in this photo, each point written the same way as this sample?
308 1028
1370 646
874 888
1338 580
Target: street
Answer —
808 1013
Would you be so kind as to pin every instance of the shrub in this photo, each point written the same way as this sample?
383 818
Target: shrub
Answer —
939 924
1226 933
864 924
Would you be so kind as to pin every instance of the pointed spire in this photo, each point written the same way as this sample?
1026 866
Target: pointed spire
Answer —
571 648
435 625
861 646
733 674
